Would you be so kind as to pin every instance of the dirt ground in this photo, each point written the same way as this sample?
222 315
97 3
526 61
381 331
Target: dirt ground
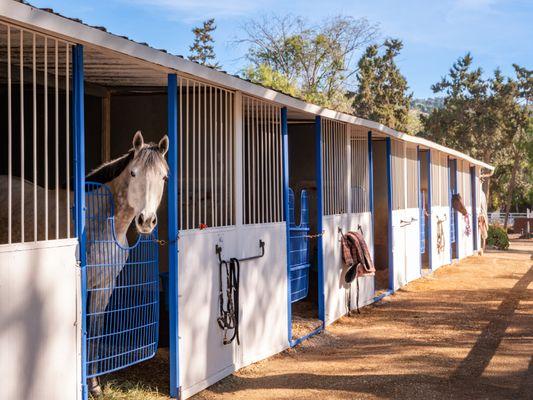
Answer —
464 332
304 318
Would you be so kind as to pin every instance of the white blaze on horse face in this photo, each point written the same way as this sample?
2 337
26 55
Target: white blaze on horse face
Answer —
144 195
147 182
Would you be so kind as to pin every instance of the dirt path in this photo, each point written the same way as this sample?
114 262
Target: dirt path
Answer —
466 332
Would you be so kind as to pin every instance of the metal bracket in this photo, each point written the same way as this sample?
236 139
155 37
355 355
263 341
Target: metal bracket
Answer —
359 228
406 223
218 251
443 219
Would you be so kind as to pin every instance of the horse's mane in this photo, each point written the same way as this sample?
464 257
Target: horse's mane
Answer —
110 170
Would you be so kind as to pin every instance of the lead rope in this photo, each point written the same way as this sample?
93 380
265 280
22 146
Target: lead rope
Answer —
229 306
357 294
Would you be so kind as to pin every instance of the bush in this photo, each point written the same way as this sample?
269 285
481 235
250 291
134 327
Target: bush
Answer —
497 237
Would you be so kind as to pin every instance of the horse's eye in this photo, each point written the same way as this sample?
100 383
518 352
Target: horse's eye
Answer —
133 173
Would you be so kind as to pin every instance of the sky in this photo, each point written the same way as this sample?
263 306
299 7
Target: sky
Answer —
498 33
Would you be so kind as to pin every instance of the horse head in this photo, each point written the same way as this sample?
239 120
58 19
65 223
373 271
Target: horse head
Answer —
144 178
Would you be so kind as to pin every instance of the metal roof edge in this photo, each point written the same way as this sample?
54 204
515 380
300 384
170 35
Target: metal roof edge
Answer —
28 15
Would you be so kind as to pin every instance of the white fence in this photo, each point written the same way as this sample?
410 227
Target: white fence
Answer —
206 176
335 162
261 169
498 217
359 171
36 81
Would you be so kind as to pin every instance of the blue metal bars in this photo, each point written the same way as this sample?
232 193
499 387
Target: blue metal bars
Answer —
474 203
429 228
173 232
122 290
389 205
299 248
320 216
285 179
421 208
79 195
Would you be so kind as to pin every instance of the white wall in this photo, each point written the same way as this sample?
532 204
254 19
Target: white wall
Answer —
406 246
443 258
466 244
263 302
336 290
39 321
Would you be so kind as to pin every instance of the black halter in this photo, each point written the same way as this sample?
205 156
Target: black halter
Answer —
229 306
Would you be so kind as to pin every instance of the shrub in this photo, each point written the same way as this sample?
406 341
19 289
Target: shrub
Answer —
497 237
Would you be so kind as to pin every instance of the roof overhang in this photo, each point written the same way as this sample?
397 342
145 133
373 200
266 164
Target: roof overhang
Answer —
56 25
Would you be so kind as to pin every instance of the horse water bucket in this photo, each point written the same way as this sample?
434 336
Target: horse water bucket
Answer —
299 248
122 290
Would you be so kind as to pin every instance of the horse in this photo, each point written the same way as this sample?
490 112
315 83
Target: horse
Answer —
136 181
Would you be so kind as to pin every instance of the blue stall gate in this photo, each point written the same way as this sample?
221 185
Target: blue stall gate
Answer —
452 168
122 290
299 248
422 218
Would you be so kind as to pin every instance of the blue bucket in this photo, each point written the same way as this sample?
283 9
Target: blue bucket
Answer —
299 249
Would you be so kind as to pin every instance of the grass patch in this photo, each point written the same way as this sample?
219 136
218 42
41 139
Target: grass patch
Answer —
127 390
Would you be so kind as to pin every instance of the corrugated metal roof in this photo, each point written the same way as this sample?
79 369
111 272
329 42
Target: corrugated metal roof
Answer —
161 57
104 29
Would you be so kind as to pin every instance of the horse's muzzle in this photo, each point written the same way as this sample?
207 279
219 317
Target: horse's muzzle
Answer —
145 223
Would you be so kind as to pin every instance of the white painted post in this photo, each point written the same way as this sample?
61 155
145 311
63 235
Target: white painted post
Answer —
238 187
349 166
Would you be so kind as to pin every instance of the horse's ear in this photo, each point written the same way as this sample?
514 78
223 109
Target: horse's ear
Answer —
138 141
163 145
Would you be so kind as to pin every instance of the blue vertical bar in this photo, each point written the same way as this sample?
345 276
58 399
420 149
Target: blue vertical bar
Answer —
173 232
78 130
420 204
450 204
389 205
371 185
474 200
455 215
285 155
430 237
320 215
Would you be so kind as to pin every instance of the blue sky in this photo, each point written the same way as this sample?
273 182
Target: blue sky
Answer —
435 33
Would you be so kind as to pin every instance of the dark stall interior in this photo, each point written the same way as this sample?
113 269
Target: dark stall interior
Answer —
424 187
381 216
302 176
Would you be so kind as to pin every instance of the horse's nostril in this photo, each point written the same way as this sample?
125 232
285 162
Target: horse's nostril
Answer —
154 220
140 219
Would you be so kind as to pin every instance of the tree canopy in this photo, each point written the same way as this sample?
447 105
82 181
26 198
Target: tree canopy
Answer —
315 61
489 119
381 94
202 49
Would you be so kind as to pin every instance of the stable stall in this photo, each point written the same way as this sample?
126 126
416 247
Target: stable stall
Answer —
440 210
260 189
346 181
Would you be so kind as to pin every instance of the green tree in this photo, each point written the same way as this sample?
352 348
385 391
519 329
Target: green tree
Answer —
315 60
381 94
265 75
487 119
521 136
202 50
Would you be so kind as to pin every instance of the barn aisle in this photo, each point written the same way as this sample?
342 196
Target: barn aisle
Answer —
465 332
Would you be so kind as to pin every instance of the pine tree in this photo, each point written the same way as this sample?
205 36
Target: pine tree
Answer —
202 50
381 95
489 119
